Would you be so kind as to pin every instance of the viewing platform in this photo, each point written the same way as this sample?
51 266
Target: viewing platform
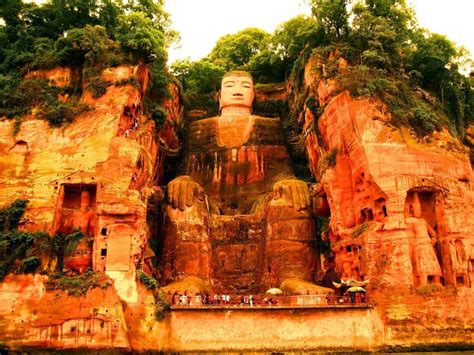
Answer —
275 302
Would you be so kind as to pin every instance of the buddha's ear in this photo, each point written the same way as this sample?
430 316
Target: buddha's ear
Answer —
252 108
217 98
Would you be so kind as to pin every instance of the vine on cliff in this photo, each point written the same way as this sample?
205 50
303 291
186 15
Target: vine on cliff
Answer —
77 285
16 246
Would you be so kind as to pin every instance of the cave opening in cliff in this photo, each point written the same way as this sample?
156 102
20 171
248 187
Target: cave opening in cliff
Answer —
75 195
366 215
460 280
421 203
76 209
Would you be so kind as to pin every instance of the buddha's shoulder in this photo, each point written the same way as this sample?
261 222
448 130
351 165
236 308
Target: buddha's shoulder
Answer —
205 122
266 131
266 121
202 131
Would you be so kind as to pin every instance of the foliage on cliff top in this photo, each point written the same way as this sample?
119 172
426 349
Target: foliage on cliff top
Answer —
394 59
79 33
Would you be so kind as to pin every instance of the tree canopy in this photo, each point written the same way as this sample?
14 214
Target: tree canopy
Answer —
390 55
86 34
234 51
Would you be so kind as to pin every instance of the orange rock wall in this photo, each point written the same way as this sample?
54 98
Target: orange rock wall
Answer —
112 150
400 206
311 329
33 318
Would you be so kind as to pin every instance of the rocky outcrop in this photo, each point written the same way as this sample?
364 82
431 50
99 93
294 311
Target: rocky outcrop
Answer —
34 318
400 207
96 174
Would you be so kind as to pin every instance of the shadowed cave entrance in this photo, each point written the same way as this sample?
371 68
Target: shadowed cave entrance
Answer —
76 209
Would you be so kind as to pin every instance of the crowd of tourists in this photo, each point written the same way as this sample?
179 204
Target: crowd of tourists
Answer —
222 300
227 300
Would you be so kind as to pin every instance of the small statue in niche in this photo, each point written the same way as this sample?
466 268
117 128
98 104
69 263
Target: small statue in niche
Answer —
237 218
423 256
72 219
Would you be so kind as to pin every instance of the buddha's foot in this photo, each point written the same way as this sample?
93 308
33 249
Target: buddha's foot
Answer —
300 287
190 285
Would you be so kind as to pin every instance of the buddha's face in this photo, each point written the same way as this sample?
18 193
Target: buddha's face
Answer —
236 91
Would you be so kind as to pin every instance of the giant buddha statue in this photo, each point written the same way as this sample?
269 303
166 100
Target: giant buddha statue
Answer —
237 220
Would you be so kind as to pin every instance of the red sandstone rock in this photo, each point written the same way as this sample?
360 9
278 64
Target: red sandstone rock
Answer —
111 153
383 179
378 167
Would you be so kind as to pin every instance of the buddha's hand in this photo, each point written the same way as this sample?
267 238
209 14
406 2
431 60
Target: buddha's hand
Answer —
182 190
294 192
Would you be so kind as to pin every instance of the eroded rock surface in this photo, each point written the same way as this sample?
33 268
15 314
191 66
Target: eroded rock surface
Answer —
400 208
400 213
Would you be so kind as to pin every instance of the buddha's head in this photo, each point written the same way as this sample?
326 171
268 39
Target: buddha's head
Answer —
236 89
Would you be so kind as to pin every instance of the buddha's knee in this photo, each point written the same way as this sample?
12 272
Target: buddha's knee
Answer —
287 223
286 259
186 242
289 244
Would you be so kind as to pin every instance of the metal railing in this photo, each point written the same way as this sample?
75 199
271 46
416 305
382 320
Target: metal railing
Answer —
238 301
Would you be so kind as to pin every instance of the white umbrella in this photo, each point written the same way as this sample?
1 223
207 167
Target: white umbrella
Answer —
274 291
355 289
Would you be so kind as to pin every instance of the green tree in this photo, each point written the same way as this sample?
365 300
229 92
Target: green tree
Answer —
382 32
140 38
153 9
433 59
10 11
275 61
235 50
292 36
267 66
437 61
332 16
89 45
200 77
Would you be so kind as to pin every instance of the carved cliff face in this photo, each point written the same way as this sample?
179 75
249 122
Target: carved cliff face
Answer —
236 90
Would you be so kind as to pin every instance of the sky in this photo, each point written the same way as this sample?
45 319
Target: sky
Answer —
202 22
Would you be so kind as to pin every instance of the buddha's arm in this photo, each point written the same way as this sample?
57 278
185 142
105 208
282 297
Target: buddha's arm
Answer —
286 187
182 190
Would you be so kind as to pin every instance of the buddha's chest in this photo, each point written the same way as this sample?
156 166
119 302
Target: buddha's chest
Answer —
233 132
